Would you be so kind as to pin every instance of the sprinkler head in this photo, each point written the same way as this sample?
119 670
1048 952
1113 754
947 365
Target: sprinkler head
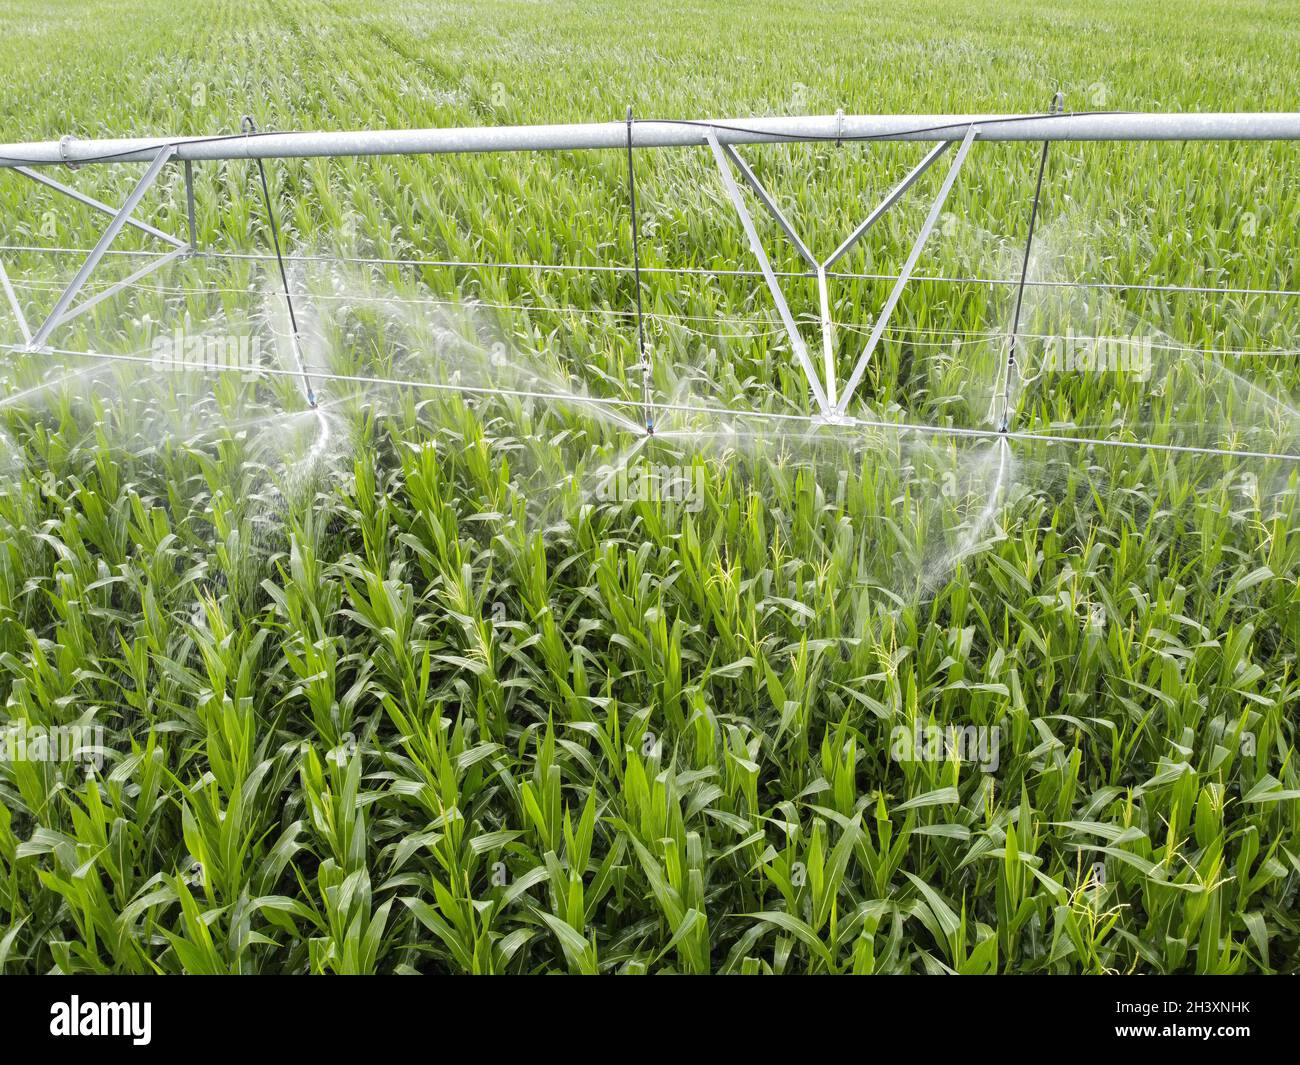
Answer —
311 399
650 427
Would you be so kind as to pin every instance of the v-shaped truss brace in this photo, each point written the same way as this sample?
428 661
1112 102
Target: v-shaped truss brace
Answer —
833 402
64 309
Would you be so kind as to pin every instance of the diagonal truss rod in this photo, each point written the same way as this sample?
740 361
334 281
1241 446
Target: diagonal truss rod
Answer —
834 405
756 246
15 305
894 196
770 203
63 307
97 205
92 301
882 320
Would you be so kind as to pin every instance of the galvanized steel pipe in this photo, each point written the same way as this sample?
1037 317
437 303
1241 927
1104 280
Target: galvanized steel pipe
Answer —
1109 126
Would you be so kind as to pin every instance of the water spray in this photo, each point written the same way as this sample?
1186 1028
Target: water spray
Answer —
249 126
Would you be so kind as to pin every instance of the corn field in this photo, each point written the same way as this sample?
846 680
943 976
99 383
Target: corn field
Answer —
436 677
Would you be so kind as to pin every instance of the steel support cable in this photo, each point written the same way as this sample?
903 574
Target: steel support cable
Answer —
474 302
839 139
296 341
810 420
959 337
636 269
694 271
1005 421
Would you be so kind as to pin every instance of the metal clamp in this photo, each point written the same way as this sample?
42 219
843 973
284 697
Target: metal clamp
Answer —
64 143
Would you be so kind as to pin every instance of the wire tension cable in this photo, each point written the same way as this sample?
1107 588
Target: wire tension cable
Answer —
249 126
636 275
1058 105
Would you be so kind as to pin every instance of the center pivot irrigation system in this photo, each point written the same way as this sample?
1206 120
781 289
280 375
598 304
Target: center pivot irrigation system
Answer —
722 137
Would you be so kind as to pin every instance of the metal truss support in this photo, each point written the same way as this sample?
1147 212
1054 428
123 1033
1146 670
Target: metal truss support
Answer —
828 333
833 403
189 206
894 196
63 309
882 319
770 203
90 201
144 271
756 245
17 307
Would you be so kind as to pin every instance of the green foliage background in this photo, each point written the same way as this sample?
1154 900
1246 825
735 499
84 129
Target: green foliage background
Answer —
429 708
